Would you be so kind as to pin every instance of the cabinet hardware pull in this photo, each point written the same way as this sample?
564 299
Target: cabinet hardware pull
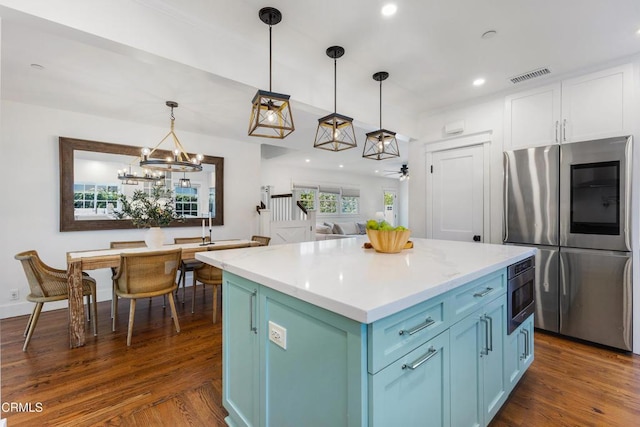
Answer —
564 130
418 328
419 361
252 327
483 293
485 349
557 123
490 333
525 332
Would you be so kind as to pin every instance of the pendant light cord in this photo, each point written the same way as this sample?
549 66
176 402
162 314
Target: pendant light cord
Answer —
269 57
335 85
380 104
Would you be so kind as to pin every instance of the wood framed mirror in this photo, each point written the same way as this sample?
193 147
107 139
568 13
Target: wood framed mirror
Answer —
89 186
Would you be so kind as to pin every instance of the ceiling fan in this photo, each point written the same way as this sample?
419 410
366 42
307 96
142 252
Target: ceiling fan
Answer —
403 173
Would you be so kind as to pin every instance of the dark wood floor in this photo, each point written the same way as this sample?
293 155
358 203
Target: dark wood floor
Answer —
172 379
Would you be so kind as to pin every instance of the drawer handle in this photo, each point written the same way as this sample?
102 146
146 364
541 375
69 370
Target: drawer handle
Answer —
483 293
418 328
419 361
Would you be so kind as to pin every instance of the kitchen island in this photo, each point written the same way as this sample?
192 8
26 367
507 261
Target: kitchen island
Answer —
329 333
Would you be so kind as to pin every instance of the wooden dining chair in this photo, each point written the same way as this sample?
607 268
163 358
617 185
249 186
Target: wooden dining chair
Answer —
50 284
210 275
189 264
263 240
143 275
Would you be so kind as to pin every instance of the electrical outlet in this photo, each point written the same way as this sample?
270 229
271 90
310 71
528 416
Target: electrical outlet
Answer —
14 294
278 334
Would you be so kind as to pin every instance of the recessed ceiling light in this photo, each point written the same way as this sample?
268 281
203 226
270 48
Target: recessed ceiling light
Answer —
489 34
37 66
389 9
638 32
340 166
376 171
307 160
478 82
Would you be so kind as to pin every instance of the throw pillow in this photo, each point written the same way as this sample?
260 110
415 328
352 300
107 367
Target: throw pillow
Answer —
362 227
337 229
323 229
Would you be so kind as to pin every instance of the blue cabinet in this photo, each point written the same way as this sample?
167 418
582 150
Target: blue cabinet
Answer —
477 371
240 353
413 389
446 361
319 379
518 353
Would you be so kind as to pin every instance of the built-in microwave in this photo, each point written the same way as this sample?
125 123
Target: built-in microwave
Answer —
521 282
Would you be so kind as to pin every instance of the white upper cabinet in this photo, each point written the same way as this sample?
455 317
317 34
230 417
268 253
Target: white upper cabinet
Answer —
592 106
532 118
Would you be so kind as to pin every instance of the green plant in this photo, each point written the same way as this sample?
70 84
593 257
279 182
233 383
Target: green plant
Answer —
154 209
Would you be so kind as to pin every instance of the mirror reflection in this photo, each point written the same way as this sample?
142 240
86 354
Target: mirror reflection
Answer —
94 174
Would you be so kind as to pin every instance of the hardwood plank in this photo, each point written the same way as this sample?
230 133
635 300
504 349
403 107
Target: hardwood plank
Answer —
175 379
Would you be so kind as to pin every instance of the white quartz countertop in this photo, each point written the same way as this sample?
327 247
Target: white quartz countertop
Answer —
361 284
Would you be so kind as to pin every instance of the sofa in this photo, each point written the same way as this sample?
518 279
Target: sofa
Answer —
339 230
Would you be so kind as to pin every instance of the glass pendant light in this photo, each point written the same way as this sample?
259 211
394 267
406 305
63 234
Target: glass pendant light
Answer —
271 115
381 144
335 132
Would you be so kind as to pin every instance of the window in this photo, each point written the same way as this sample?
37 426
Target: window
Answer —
95 196
327 200
328 203
306 196
187 201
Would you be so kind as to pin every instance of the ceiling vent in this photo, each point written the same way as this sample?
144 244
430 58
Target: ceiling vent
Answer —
530 75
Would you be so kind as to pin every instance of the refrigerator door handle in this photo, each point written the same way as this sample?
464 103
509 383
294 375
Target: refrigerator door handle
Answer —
563 289
627 193
505 204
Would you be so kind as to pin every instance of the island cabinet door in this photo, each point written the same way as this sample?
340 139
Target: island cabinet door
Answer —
240 352
314 372
414 390
477 369
518 353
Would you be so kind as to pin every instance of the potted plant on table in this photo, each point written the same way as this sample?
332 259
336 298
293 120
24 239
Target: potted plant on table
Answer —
150 210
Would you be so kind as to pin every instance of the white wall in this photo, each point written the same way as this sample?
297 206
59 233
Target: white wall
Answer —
371 188
30 212
483 117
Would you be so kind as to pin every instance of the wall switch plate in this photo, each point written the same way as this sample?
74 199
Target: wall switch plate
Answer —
278 334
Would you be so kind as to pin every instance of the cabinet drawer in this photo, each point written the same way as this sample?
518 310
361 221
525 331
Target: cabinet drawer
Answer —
414 390
467 299
394 336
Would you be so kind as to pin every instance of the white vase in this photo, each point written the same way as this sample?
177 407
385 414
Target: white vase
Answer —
154 237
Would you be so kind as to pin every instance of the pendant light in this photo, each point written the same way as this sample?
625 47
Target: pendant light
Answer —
127 177
381 144
179 162
271 113
335 132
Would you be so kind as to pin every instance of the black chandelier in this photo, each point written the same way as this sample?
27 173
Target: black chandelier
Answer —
335 132
381 144
179 161
271 115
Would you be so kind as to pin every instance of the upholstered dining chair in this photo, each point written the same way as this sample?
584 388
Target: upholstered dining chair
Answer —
209 275
189 264
50 284
147 274
263 240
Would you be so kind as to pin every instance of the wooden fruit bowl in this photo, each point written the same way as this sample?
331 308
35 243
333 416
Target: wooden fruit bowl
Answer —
387 241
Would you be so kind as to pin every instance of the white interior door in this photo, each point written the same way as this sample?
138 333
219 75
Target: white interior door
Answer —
458 186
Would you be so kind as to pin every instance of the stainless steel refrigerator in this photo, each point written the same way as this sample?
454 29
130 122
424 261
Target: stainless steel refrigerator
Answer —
572 202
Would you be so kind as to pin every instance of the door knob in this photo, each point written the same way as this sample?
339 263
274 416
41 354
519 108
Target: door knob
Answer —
477 238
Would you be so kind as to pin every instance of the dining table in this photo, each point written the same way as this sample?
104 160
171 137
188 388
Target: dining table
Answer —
79 261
